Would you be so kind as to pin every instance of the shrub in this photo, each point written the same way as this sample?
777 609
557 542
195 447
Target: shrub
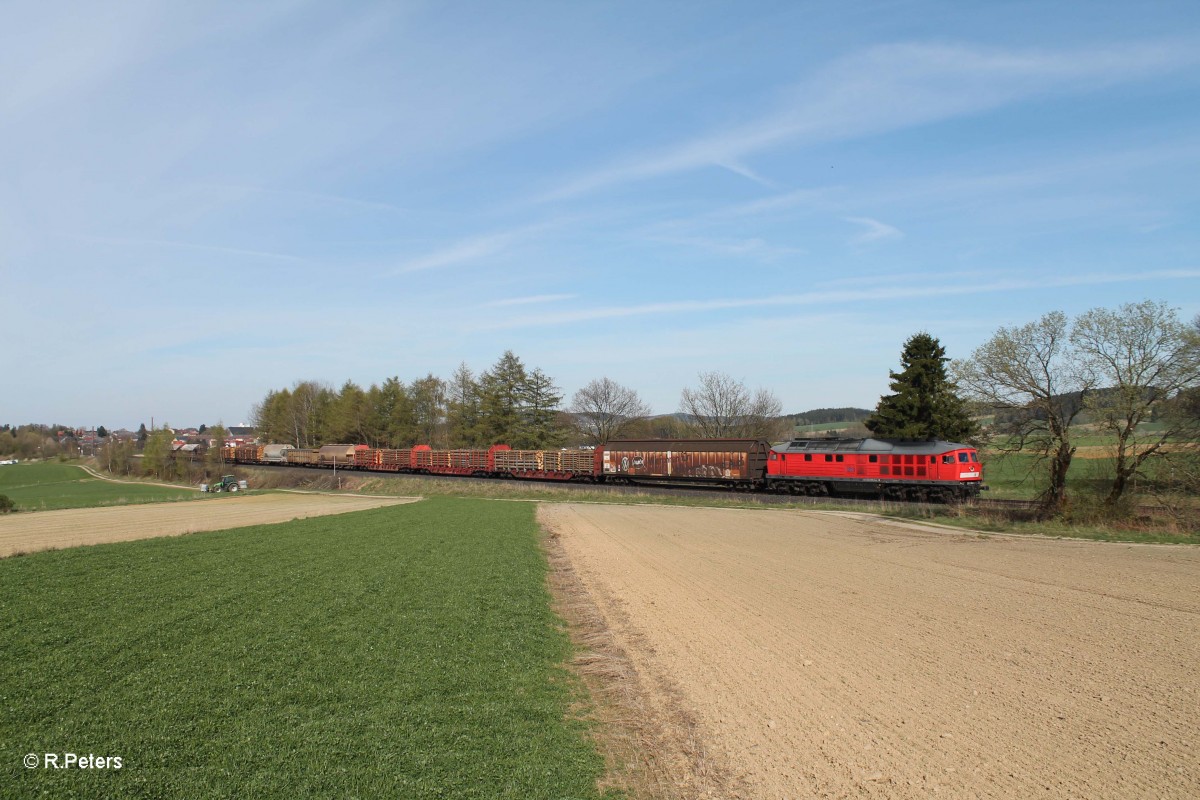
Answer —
6 504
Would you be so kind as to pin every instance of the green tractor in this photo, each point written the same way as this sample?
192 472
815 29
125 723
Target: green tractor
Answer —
226 483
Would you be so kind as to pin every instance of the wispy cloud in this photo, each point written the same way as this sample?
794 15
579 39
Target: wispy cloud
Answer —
524 301
302 194
466 250
825 298
811 198
897 86
211 248
875 230
740 248
741 169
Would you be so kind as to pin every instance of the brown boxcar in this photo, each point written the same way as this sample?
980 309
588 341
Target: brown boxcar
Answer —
738 462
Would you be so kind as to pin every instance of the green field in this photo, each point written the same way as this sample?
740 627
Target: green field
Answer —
405 652
49 485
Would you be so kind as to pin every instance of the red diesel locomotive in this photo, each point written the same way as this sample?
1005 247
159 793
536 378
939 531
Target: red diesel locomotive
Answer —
896 469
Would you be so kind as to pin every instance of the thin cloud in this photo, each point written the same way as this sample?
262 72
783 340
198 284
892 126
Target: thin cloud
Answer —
812 198
524 301
741 169
462 252
875 230
322 197
742 248
476 248
900 292
898 86
211 248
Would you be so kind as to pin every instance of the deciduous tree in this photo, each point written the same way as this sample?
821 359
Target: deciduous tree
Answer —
1030 376
723 407
604 409
1145 358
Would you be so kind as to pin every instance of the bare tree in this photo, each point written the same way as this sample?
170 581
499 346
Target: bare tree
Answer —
723 407
1029 377
605 408
1144 357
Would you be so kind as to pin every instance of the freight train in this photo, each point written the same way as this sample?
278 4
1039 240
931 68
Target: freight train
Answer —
891 469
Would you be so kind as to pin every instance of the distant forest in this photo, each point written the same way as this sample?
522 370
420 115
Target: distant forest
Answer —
822 416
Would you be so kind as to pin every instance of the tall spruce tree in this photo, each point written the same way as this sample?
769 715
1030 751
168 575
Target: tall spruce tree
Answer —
925 404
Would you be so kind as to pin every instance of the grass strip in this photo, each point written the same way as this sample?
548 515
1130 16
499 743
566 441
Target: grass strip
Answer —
47 486
406 652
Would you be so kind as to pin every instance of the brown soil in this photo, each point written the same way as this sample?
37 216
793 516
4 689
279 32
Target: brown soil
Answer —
47 530
786 654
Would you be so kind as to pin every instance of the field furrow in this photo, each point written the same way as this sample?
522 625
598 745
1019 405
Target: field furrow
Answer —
822 654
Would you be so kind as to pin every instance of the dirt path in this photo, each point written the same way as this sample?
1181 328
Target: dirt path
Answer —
25 533
823 656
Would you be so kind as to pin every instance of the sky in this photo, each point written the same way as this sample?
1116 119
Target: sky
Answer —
201 202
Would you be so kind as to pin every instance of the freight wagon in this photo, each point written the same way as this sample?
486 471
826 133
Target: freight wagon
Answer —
737 463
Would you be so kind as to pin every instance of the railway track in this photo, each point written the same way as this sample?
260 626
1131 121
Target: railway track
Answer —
758 498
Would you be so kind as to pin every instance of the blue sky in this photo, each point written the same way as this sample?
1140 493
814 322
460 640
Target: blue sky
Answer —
200 202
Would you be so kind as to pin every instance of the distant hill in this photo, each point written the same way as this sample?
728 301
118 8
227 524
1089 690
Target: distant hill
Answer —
824 416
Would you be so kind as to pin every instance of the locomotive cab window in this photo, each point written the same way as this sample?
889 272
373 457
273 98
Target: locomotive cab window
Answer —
948 458
963 458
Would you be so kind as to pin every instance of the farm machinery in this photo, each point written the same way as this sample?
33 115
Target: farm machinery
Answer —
226 483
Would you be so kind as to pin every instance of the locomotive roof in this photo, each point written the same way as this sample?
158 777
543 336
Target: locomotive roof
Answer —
907 446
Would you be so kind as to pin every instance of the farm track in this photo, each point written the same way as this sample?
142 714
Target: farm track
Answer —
812 654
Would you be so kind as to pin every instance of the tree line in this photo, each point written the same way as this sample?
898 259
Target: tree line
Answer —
24 442
508 403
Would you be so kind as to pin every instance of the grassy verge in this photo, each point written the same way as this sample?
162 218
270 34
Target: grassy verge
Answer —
51 485
1160 528
401 652
1143 529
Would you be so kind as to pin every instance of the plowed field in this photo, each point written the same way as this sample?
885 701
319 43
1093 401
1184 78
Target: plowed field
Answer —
44 530
781 654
